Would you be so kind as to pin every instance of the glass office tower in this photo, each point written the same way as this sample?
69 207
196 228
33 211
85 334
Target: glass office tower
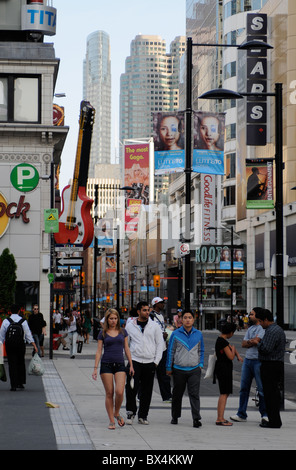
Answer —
97 90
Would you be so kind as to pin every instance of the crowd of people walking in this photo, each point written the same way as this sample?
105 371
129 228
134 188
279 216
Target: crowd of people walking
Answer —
175 354
177 358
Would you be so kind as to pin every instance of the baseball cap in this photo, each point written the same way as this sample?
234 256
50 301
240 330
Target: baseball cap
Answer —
156 300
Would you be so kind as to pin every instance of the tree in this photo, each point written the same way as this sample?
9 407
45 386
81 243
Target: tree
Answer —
8 277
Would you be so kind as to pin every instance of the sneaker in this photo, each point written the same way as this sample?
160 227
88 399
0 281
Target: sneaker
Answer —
168 400
143 421
238 419
174 421
264 419
129 418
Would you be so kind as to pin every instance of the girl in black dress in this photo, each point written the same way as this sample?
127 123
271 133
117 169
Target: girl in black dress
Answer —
223 370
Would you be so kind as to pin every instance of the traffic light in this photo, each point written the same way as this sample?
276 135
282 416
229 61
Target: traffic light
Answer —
179 303
156 280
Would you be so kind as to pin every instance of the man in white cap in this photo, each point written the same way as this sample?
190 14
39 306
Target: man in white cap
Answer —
164 381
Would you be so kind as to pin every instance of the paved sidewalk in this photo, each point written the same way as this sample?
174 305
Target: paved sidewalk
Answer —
81 420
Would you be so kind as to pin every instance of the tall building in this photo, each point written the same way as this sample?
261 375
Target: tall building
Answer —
256 228
97 90
150 83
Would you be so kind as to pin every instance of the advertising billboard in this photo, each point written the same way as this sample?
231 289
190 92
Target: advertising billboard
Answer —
136 176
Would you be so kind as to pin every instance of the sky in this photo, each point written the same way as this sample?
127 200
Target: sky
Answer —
122 20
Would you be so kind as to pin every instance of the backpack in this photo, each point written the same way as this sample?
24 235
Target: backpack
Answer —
14 334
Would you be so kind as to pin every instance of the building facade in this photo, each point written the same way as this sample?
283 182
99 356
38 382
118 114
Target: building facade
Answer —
255 230
30 151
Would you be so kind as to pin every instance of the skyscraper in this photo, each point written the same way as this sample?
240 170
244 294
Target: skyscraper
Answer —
150 83
97 90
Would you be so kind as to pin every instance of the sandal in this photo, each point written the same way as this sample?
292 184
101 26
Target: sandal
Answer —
111 426
223 423
120 420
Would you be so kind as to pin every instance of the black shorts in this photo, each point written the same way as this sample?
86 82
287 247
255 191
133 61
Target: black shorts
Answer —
112 367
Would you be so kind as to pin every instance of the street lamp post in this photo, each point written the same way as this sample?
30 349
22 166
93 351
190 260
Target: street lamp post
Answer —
231 266
253 44
221 93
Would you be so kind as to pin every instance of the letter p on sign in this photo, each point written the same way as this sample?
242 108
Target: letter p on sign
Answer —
24 177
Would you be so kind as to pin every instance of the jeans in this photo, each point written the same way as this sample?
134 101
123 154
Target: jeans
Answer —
250 370
72 335
37 341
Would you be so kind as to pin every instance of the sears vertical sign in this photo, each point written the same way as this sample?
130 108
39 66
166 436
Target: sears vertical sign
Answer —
256 80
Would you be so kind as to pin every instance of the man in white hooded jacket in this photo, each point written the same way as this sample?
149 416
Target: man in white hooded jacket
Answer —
146 346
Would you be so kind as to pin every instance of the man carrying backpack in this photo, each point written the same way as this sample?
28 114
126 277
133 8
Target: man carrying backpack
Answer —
15 333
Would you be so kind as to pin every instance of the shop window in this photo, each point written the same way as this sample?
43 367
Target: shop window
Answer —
20 98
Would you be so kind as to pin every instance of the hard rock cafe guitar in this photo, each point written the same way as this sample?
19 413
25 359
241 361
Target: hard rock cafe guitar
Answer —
75 221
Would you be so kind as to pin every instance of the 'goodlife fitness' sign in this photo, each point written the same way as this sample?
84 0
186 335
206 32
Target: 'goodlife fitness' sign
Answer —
256 80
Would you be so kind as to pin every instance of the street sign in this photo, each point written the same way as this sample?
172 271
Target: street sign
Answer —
24 177
69 248
51 220
69 262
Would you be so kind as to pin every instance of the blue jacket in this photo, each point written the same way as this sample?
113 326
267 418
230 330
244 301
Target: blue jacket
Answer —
185 350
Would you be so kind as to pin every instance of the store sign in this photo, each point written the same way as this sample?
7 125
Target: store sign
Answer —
13 210
24 177
39 18
208 202
256 80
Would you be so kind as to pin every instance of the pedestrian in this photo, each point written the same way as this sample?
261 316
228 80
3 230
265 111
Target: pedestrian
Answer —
225 354
184 362
37 325
87 324
57 322
164 381
146 346
251 369
271 350
72 323
178 319
114 340
16 348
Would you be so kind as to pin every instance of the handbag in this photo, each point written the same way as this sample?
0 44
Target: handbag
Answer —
36 366
211 366
79 343
3 377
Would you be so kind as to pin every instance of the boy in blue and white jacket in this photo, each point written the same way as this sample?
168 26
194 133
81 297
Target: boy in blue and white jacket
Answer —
185 359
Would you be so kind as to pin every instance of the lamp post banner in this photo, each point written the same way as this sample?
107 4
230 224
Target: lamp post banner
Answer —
136 176
168 137
259 174
208 143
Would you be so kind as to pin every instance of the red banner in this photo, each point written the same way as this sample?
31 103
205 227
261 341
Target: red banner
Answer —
136 176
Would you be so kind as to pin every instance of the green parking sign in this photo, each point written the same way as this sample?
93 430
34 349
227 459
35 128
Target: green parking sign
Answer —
24 177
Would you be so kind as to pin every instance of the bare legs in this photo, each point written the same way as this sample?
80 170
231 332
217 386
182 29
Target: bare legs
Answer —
221 421
113 404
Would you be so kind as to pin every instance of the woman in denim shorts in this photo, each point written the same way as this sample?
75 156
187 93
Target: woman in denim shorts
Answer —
112 341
